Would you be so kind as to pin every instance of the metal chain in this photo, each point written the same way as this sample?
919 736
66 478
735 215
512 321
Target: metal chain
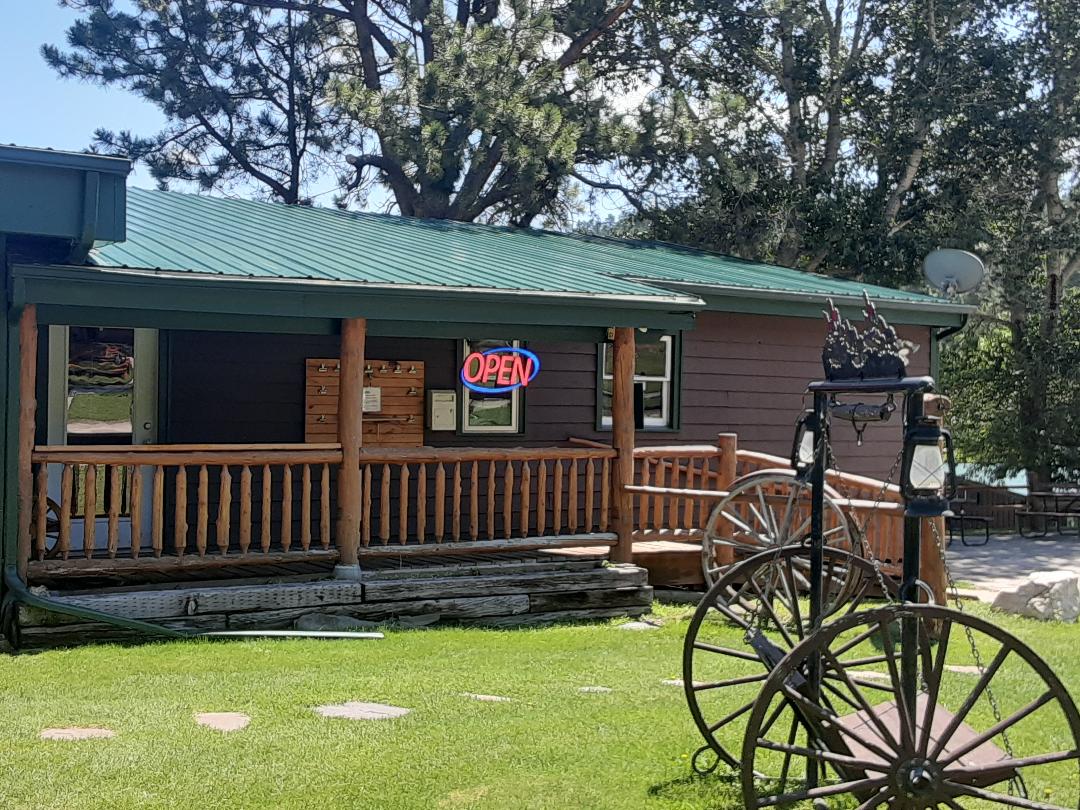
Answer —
975 655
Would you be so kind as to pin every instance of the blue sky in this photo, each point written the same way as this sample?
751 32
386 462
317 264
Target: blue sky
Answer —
41 109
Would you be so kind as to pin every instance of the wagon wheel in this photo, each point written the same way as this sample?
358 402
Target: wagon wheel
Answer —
747 622
958 748
763 510
52 530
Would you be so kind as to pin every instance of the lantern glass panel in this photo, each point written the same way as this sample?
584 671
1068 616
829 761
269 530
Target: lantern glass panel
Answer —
806 448
927 468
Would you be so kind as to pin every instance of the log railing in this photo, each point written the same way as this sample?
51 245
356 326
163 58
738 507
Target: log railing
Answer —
490 497
177 500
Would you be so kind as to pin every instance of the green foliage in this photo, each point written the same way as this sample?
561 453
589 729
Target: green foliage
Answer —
462 111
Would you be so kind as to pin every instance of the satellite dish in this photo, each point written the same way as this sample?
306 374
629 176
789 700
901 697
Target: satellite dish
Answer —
953 271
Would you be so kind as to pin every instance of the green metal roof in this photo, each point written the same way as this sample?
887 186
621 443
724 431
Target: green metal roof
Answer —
211 236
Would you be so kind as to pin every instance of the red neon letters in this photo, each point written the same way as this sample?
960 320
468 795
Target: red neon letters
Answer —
503 369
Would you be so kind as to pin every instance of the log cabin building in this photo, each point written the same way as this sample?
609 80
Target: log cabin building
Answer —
224 414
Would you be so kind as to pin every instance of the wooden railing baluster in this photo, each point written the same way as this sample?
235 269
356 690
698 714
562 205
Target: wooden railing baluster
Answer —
305 507
455 526
421 503
526 493
202 510
286 507
157 513
41 510
266 511
89 510
572 508
180 524
66 481
245 508
557 494
491 500
474 502
135 507
590 493
541 497
644 500
115 492
605 493
324 508
384 505
508 499
365 519
403 505
658 500
440 502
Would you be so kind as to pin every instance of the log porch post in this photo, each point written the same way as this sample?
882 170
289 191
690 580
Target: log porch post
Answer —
27 425
727 445
622 439
350 422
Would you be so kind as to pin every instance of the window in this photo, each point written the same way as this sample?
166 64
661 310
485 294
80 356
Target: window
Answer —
489 413
655 366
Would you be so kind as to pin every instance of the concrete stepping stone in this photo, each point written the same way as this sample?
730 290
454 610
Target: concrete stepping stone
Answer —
638 626
595 690
870 674
963 669
358 710
679 682
77 733
223 721
487 698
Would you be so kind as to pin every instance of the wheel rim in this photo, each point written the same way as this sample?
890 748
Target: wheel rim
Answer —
949 748
716 650
763 511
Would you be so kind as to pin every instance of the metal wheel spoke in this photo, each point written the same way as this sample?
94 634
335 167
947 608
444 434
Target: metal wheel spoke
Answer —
934 686
814 709
745 656
864 704
1012 764
853 786
875 801
793 595
969 702
704 687
793 732
997 728
738 523
904 711
999 798
852 643
767 605
732 716
823 756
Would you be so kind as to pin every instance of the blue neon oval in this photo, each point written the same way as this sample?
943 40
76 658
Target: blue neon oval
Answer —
502 389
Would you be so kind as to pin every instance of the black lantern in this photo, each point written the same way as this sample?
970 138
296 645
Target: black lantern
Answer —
928 474
802 449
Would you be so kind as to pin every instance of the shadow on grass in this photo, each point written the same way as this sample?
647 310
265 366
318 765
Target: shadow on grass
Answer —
719 790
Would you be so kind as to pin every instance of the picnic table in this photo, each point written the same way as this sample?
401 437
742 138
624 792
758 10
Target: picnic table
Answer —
1051 511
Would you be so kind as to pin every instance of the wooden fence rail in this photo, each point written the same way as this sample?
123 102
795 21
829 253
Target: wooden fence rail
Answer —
181 500
448 496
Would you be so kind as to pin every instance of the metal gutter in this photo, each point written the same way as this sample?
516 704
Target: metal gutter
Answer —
301 285
806 296
52 158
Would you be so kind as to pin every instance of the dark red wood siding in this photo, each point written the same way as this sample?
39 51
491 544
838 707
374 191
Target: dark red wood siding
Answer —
741 373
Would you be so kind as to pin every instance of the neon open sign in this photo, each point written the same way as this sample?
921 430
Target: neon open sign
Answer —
499 370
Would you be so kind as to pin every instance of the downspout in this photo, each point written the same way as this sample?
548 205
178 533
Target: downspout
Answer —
936 340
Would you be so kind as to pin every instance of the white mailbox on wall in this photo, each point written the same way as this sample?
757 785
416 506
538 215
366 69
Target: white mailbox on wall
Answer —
442 410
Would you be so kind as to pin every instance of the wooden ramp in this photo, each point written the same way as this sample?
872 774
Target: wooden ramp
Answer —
502 590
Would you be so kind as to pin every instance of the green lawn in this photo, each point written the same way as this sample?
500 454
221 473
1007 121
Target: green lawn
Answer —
551 747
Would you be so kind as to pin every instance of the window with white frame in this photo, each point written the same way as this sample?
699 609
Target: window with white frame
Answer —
654 371
490 413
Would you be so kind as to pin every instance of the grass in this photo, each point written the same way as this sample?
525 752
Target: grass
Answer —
550 747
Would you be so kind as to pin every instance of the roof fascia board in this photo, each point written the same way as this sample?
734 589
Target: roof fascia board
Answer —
265 324
809 305
94 290
31 156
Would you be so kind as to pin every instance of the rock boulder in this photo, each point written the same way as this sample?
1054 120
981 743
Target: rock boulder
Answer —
1050 595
